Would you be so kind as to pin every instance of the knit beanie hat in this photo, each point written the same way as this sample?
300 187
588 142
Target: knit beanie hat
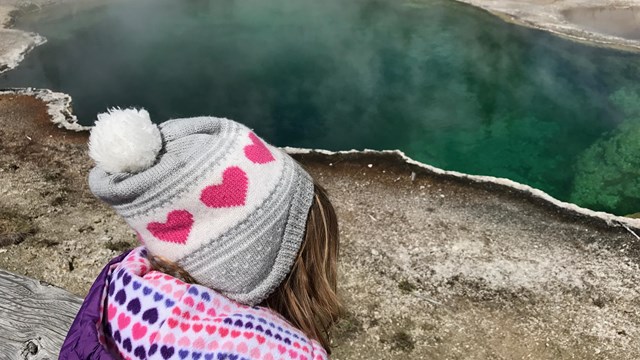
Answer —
206 193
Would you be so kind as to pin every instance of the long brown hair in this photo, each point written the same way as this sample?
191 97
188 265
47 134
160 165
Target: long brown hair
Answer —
307 298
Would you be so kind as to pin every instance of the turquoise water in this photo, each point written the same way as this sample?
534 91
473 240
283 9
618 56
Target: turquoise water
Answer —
448 84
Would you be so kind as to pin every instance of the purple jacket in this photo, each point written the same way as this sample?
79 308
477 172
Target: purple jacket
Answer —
82 338
178 319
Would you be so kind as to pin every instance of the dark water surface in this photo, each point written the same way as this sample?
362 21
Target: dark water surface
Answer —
448 84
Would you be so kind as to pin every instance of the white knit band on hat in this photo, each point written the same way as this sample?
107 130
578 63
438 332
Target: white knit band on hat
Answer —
226 206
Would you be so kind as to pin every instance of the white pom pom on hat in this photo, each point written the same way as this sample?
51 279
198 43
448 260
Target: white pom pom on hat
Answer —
124 140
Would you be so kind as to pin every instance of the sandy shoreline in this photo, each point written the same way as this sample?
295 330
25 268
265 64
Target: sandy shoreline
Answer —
14 44
549 15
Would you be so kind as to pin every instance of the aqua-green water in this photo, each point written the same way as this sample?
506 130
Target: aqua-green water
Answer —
448 84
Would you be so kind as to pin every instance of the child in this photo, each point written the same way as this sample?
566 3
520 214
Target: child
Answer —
239 247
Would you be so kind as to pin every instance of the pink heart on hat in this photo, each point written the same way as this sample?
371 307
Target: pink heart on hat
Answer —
176 229
231 192
257 152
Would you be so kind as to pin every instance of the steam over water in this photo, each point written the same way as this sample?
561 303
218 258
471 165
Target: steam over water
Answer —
448 84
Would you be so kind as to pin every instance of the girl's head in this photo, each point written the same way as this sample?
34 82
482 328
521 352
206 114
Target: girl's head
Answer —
212 201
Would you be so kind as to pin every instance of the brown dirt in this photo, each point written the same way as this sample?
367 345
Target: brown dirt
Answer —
434 268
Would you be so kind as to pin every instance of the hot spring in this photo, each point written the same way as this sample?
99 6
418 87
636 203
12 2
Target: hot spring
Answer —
448 84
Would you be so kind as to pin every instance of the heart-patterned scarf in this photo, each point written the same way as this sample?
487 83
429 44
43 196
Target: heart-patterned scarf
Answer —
151 315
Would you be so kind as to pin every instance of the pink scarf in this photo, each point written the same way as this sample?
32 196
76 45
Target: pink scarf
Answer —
151 315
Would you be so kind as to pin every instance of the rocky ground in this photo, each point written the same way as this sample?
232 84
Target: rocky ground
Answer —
432 266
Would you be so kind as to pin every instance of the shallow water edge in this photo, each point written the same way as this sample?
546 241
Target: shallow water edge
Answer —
58 104
14 44
555 16
546 15
501 185
61 114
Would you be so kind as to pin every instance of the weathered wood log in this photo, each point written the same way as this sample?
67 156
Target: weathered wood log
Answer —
34 317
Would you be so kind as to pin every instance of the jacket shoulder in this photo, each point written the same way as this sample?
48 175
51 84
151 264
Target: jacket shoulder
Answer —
82 340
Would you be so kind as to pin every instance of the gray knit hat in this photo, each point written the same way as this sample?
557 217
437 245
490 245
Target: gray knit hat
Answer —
206 193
